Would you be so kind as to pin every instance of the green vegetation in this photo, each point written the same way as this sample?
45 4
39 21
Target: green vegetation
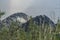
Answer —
35 32
1 13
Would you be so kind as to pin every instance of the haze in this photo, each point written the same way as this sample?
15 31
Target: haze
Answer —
31 7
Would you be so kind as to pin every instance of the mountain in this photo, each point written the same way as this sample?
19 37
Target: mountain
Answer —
39 20
20 17
24 20
43 19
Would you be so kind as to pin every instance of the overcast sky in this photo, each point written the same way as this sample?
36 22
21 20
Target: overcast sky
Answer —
31 7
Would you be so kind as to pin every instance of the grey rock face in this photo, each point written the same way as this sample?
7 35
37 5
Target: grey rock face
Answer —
20 17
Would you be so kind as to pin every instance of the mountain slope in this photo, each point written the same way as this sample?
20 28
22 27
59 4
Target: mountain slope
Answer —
23 20
39 20
20 17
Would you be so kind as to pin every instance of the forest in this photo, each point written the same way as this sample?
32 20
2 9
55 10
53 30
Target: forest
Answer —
35 32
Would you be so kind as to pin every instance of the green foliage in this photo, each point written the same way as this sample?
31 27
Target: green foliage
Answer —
4 33
1 13
12 33
57 32
35 32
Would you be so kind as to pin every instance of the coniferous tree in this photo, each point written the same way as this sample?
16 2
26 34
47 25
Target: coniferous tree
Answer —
57 32
1 13
4 32
33 30
16 32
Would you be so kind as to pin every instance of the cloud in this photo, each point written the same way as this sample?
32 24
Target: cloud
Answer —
13 6
19 5
44 7
31 7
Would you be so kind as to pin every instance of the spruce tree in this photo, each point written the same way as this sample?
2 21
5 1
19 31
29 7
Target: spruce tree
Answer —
33 30
57 32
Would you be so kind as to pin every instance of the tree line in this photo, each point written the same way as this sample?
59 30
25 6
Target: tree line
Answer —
35 32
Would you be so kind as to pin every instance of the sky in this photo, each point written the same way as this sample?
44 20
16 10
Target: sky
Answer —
51 8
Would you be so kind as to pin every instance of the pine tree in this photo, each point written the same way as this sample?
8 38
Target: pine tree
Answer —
1 13
33 30
16 32
57 32
4 32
